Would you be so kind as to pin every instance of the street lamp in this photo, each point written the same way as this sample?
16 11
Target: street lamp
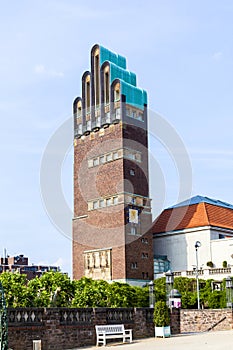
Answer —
197 245
151 294
169 284
228 291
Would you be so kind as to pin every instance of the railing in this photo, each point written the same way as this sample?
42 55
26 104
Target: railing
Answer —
149 315
220 271
121 315
75 316
204 272
25 316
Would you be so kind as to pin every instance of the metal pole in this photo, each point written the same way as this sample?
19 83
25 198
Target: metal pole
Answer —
198 293
151 294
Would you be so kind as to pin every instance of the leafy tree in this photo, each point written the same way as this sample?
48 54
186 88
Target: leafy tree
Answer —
51 289
121 295
90 293
15 289
141 296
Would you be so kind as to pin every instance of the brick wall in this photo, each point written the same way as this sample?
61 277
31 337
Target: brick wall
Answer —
67 328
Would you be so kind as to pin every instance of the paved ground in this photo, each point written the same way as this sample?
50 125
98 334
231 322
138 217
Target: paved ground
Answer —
222 340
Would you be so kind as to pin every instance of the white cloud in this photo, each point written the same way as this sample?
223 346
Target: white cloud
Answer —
42 70
217 56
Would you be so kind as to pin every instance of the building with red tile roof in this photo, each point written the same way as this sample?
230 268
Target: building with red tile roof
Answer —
177 228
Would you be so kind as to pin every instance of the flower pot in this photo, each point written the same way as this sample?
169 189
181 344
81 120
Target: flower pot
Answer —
163 331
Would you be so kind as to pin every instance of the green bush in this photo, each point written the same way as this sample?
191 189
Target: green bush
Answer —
224 264
210 264
161 314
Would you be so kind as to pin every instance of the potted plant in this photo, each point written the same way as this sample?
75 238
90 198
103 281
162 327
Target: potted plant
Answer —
224 264
162 319
210 264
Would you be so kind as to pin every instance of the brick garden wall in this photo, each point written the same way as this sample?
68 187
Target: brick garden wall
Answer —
67 328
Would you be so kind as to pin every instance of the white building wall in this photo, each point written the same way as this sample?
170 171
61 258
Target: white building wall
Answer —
222 249
179 247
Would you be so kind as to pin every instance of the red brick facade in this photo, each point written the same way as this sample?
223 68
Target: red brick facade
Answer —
112 210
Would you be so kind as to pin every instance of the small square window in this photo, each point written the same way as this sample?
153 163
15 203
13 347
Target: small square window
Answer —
133 200
102 159
132 172
96 161
109 201
102 203
80 128
109 157
90 163
115 200
133 230
115 155
118 113
134 114
117 95
140 116
131 156
95 205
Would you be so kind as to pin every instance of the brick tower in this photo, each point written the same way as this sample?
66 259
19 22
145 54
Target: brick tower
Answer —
112 210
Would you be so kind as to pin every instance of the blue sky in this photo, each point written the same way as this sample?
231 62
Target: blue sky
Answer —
182 53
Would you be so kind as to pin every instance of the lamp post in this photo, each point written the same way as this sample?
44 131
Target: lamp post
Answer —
151 294
169 284
197 245
228 291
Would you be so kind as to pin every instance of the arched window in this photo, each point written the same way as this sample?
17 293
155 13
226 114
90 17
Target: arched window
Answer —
88 94
97 77
106 86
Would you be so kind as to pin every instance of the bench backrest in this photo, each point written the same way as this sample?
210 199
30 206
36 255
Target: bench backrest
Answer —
110 329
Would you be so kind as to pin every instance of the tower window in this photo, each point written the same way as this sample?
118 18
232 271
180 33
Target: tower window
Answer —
108 202
79 111
106 87
118 113
96 161
117 94
133 230
109 157
97 80
134 265
102 159
88 97
115 155
95 204
102 203
115 200
132 172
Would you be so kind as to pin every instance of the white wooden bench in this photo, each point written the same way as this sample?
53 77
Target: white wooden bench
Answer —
114 331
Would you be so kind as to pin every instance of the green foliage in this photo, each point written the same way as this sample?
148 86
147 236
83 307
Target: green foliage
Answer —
15 289
210 264
224 264
160 288
54 289
90 293
161 314
187 288
51 289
